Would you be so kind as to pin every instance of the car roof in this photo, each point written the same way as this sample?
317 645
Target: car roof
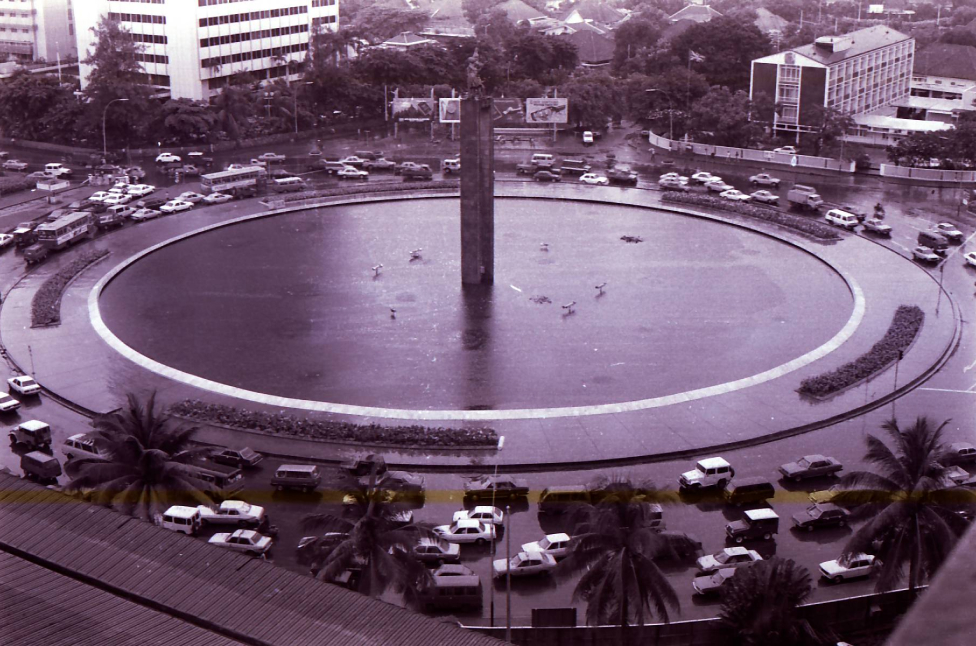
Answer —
80 437
454 569
557 538
469 522
761 514
181 511
480 508
959 446
826 506
33 425
234 504
713 463
814 457
736 550
245 533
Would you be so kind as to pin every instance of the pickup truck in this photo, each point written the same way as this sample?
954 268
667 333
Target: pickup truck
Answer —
877 227
804 198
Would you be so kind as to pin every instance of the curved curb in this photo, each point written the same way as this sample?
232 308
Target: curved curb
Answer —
180 376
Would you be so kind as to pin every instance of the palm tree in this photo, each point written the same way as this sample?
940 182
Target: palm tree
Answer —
911 515
615 542
760 605
375 542
233 108
144 472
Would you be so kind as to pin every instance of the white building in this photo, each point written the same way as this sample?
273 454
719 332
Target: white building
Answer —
943 83
37 30
193 46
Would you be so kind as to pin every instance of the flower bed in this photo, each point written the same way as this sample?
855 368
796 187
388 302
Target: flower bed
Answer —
285 424
46 304
14 184
818 230
904 327
362 189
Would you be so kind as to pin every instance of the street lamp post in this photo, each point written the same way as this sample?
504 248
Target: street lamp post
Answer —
670 112
294 109
105 114
501 444
508 574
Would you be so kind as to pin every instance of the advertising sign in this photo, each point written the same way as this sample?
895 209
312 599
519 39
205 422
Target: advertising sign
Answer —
413 109
450 110
546 111
507 113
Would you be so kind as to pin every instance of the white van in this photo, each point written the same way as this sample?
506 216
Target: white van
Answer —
182 519
56 170
288 185
543 160
81 446
841 218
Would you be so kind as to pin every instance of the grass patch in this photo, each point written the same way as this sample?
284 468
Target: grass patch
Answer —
46 304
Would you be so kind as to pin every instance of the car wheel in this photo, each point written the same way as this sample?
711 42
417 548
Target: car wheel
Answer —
836 579
842 523
767 536
738 539
480 541
797 478
809 528
279 488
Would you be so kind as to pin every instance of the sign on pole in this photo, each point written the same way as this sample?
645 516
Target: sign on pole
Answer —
450 110
546 111
413 109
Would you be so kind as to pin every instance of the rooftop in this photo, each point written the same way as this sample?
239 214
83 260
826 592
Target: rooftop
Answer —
596 10
696 12
591 48
862 41
518 10
946 60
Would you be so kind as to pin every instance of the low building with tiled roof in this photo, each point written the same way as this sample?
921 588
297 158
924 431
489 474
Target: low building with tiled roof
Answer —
769 23
695 12
518 11
592 49
943 83
597 12
407 40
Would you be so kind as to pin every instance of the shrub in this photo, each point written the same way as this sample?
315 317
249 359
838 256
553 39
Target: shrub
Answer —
904 327
818 230
46 304
15 184
361 189
285 424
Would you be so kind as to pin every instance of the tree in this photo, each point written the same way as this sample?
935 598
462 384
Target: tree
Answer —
830 125
910 515
615 544
378 22
185 120
760 605
728 47
593 99
144 473
958 36
233 106
631 37
26 102
722 117
474 9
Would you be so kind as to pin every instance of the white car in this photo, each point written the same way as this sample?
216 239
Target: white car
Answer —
765 179
353 160
15 164
116 198
673 183
175 206
555 545
218 198
713 583
704 176
24 384
730 557
717 185
141 190
234 512
8 403
949 231
587 138
483 513
785 150
353 173
271 157
857 565
466 531
970 258
98 196
190 196
167 158
765 197
593 178
924 254
243 540
735 195
524 564
709 472
6 240
141 215
254 162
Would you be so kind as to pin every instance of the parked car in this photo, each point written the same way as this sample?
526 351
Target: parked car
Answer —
735 195
379 164
34 434
433 550
810 466
709 472
713 583
466 531
730 557
959 453
593 178
524 564
167 158
765 197
353 160
501 487
15 164
39 176
717 186
877 226
482 513
98 196
272 157
141 215
820 515
673 184
8 404
555 545
350 172
191 197
152 202
217 198
785 150
175 206
6 240
23 384
826 495
141 190
240 458
949 231
970 258
924 254
754 524
852 567
546 176
40 467
233 512
116 198
765 179
247 541
587 138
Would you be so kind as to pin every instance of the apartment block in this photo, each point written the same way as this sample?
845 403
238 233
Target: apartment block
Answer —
36 30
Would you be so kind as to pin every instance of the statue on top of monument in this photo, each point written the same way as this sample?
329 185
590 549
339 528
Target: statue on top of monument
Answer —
475 85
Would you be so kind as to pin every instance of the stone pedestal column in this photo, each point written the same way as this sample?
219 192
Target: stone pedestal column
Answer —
477 192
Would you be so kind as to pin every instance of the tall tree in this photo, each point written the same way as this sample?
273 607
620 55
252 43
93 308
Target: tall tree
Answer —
910 515
727 47
631 37
722 117
144 473
233 106
185 120
593 98
26 101
379 22
830 125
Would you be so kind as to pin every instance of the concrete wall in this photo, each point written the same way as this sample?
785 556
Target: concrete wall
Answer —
765 156
928 174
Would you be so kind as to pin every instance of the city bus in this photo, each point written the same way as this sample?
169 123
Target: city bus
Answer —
234 181
66 230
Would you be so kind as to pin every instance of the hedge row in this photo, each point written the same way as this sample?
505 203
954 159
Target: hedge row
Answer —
15 184
46 304
285 424
904 326
818 230
361 189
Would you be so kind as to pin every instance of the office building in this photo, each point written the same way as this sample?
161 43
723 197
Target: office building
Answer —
37 30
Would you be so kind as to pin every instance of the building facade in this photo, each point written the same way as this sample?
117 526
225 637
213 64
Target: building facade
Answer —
866 72
943 83
37 30
192 47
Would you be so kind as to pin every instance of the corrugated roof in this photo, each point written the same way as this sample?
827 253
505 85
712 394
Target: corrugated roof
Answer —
863 41
946 60
229 594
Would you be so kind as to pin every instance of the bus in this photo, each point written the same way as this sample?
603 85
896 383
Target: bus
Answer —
234 181
66 230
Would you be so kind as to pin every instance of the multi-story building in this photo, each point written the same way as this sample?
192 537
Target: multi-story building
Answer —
192 47
943 83
863 73
36 30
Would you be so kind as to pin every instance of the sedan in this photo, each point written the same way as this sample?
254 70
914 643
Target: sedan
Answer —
436 551
970 258
8 403
820 515
959 453
856 565
379 164
142 215
717 186
350 172
499 487
243 540
218 198
141 190
15 164
239 458
98 196
24 384
810 466
673 184
548 176
735 195
730 557
765 179
6 240
713 583
232 512
785 150
592 178
167 158
271 157
524 564
466 531
175 206
765 197
924 254
190 197
484 514
704 176
555 545
949 231
116 198
353 160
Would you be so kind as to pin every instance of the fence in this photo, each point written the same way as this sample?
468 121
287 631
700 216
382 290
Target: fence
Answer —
764 156
928 174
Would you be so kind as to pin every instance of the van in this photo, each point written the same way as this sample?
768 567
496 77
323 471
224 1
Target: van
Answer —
748 490
934 241
557 500
182 519
56 170
543 160
34 434
755 523
39 466
841 218
305 477
288 185
575 167
224 481
453 593
82 446
449 166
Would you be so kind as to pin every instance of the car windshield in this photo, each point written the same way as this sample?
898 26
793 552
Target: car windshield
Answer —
544 543
27 381
803 463
723 557
814 511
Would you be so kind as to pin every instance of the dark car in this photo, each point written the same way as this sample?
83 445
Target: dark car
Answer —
422 171
239 458
364 466
525 169
502 487
822 514
810 466
546 176
622 175
152 202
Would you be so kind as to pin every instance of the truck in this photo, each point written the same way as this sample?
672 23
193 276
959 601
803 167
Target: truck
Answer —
804 198
36 253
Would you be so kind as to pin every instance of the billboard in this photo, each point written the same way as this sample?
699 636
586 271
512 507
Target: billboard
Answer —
546 111
413 109
450 110
507 113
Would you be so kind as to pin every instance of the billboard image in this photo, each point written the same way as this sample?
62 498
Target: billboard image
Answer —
546 111
507 113
450 110
413 109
